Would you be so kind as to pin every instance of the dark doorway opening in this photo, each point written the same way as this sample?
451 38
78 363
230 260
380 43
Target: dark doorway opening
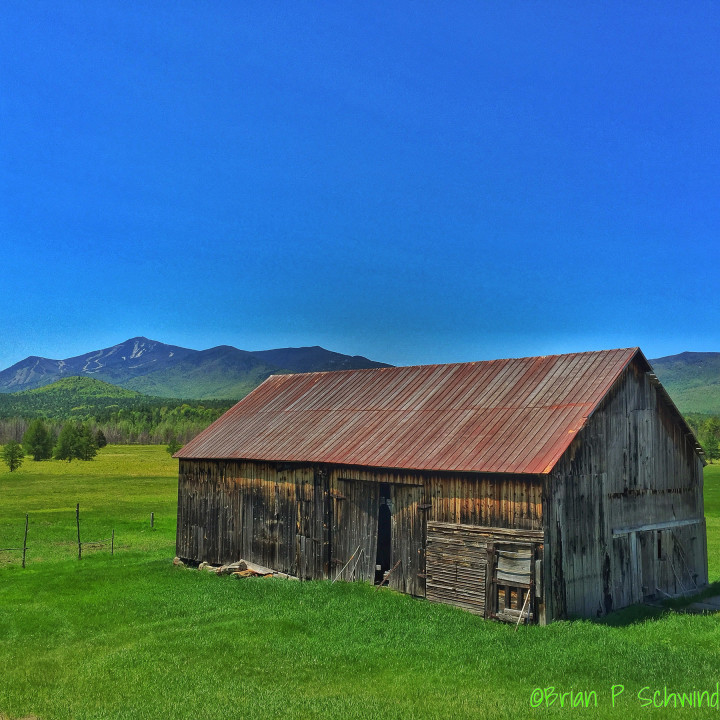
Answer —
384 539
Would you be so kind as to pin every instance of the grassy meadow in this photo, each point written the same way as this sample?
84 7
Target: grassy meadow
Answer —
132 636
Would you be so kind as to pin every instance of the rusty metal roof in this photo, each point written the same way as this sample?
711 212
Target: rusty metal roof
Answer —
502 416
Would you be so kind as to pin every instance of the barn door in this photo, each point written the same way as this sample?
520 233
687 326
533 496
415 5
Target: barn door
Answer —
633 544
355 524
647 549
311 535
407 528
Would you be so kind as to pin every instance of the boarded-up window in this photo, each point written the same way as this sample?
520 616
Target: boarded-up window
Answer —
456 567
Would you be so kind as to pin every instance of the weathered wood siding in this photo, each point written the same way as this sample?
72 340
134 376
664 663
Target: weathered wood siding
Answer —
322 521
266 513
502 500
624 507
506 501
491 572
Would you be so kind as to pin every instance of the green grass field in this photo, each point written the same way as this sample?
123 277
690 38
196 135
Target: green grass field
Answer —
132 636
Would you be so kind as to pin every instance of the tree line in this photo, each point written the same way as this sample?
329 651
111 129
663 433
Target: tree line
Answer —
141 423
75 441
707 431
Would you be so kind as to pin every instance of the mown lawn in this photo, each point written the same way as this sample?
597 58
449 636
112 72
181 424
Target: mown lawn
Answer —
132 636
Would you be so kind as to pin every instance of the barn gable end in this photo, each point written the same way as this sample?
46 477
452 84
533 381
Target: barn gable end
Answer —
624 512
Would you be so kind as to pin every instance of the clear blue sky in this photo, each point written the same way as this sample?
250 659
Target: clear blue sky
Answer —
411 181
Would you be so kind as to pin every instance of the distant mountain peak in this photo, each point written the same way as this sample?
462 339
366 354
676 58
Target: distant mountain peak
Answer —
155 368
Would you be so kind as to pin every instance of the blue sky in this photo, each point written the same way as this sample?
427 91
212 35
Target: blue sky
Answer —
414 182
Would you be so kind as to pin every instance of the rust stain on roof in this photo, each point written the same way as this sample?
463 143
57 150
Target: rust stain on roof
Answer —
503 416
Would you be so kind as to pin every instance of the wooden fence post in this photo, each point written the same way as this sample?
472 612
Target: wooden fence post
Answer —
25 540
77 519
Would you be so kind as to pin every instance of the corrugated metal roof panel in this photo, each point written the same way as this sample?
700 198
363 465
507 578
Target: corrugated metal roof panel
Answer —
503 416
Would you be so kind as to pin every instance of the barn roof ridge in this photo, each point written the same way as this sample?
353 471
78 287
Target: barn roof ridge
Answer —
457 363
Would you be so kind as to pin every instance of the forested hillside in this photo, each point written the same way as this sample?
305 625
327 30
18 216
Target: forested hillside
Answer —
129 391
692 379
124 416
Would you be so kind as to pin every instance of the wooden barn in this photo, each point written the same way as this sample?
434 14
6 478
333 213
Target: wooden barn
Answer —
535 488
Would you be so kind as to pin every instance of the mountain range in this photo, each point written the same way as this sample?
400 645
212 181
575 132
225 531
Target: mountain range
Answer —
224 372
692 379
154 368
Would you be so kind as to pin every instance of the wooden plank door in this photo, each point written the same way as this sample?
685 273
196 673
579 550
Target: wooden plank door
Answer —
312 539
408 540
355 526
306 555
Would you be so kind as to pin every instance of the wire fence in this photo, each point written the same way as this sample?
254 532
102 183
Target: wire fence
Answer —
78 542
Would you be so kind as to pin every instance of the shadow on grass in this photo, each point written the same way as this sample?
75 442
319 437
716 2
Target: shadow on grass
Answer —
644 613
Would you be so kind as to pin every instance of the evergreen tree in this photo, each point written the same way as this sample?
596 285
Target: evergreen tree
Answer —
75 441
13 454
67 447
37 440
100 439
87 447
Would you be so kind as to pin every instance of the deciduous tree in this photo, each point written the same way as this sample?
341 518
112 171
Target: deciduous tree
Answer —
66 447
712 448
173 445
